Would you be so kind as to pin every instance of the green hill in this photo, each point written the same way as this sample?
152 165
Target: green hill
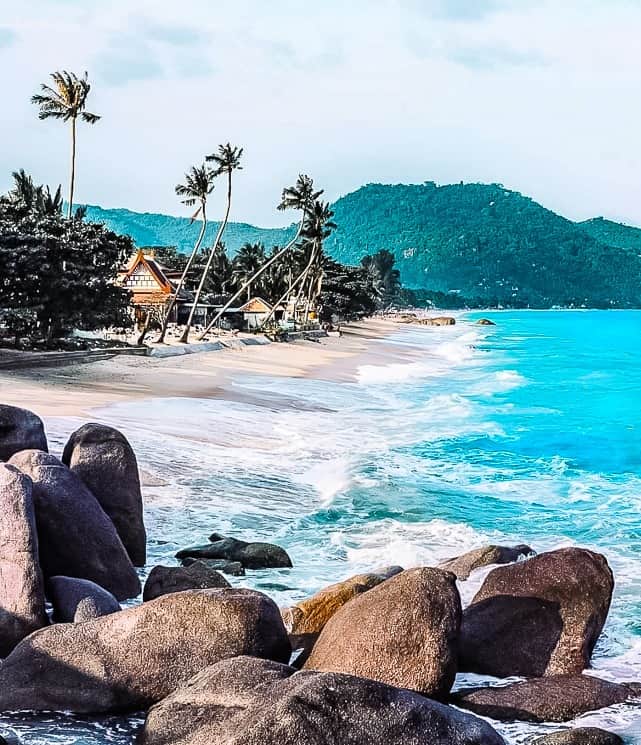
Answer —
481 242
613 233
486 243
149 229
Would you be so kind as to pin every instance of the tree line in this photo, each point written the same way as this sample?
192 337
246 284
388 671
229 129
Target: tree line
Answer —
57 270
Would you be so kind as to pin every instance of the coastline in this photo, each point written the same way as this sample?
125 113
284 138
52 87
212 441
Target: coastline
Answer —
76 390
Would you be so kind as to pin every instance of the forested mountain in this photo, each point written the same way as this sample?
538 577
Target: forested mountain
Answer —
480 242
613 233
150 229
486 243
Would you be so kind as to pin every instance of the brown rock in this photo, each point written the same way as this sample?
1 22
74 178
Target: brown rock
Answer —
254 702
76 537
103 458
402 632
485 322
438 321
75 600
22 598
556 698
463 566
197 576
20 429
538 617
305 620
580 736
131 659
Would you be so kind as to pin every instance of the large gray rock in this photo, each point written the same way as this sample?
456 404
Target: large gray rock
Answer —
245 701
463 566
233 568
580 736
76 537
556 698
132 659
22 598
20 429
250 555
76 600
103 458
402 632
538 617
197 576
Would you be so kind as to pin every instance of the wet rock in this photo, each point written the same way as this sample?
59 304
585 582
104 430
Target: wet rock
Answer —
580 736
485 322
76 537
403 632
9 738
233 568
537 617
103 458
197 576
20 429
438 321
463 566
305 620
132 659
250 555
76 600
22 598
556 698
251 701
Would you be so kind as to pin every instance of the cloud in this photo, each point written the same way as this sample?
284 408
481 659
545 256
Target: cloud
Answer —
465 10
147 50
495 57
7 37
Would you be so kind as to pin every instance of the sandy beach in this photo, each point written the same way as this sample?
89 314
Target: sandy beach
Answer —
77 389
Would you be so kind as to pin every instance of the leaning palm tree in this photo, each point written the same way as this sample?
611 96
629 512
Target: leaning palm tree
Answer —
301 196
66 101
247 262
227 161
199 184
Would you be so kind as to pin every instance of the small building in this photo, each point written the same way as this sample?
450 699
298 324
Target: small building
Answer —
247 317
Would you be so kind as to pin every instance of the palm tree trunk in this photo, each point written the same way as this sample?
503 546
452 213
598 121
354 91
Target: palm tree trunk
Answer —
72 180
185 336
282 299
305 273
194 253
251 280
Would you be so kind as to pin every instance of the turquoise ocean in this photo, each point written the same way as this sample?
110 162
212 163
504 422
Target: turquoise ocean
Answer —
524 432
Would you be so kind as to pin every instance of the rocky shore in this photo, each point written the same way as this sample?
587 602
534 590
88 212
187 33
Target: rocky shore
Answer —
371 659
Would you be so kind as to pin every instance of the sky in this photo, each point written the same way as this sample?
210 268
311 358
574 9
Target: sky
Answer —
541 96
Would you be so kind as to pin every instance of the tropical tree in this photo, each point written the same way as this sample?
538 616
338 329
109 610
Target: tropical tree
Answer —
199 184
249 259
67 101
227 160
386 278
301 197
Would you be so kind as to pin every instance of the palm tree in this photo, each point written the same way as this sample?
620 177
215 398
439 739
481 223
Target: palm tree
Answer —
247 262
301 196
199 184
227 161
35 198
66 101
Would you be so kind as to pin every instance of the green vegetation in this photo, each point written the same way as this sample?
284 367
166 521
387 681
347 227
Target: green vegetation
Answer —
486 245
613 233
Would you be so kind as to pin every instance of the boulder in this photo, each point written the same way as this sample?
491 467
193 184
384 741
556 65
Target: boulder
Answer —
250 555
485 322
463 566
197 576
76 537
103 458
557 698
580 736
9 738
132 659
305 620
20 429
22 598
537 617
233 568
403 632
438 321
76 600
256 702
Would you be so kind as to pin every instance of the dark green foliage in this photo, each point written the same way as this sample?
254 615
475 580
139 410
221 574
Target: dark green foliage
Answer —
57 274
348 292
153 229
245 264
484 242
386 278
613 233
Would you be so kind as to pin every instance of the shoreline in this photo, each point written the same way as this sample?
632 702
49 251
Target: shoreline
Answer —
76 390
